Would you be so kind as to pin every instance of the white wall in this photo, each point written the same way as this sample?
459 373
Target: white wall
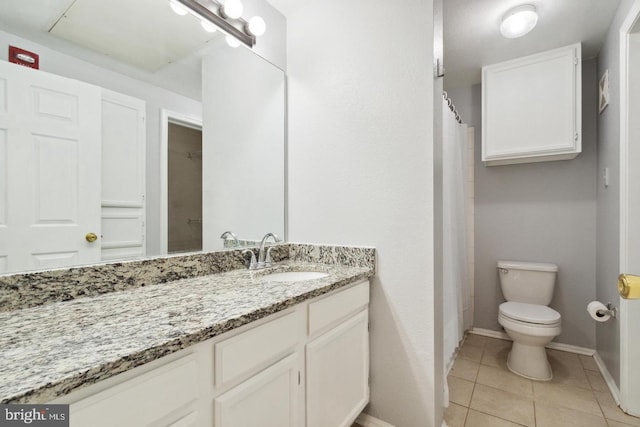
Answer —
155 97
544 212
361 172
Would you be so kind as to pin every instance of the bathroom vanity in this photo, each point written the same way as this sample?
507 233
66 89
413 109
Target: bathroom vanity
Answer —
225 349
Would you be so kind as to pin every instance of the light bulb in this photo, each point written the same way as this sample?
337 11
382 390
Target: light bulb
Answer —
208 26
519 21
232 41
178 8
257 26
232 9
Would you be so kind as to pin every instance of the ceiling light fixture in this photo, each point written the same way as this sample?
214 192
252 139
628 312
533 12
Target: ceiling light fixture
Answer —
519 21
227 17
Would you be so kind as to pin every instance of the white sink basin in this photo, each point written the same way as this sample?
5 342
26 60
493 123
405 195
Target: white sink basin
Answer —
294 276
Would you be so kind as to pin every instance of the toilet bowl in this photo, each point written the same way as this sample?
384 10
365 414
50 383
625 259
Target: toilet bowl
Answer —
531 327
526 317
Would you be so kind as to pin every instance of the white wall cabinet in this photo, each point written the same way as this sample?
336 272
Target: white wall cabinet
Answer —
531 108
308 365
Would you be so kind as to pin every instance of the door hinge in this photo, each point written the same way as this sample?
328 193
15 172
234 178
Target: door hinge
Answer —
575 61
576 136
298 377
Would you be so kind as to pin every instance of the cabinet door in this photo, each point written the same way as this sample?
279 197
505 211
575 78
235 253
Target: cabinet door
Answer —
531 108
268 399
337 368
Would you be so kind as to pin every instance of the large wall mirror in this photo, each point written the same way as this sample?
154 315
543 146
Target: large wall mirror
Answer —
140 135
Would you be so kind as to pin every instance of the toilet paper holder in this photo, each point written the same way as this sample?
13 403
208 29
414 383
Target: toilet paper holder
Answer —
611 311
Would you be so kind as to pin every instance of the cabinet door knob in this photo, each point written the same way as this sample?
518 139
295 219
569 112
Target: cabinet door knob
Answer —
629 286
91 237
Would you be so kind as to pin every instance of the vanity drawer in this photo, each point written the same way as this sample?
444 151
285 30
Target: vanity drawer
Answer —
140 401
245 354
326 311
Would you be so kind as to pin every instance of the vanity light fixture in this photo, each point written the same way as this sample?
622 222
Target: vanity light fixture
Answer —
208 26
519 21
177 8
225 16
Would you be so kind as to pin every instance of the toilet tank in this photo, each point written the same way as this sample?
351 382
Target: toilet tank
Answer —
528 282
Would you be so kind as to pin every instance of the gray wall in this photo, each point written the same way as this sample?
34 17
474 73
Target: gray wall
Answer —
544 212
608 202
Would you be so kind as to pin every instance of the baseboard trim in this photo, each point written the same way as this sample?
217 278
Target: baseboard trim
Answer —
613 388
554 345
366 420
489 333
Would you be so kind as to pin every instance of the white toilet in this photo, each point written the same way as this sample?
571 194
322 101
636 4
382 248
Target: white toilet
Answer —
528 289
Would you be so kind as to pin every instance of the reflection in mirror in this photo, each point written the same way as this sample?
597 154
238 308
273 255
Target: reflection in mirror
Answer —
94 156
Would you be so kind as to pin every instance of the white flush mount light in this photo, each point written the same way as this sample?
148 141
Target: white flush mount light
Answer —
257 26
519 21
177 8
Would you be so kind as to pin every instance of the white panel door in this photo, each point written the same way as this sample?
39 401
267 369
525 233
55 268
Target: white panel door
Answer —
268 399
338 374
123 172
630 210
50 155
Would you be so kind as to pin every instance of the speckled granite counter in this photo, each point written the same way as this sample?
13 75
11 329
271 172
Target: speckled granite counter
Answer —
53 349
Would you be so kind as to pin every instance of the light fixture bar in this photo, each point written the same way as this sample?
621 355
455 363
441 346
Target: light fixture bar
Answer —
220 22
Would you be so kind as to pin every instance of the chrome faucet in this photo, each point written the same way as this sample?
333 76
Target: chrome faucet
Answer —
264 258
227 234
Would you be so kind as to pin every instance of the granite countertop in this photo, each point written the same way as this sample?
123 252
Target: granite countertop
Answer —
51 350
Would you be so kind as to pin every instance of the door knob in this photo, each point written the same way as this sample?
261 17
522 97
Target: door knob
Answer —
629 286
91 237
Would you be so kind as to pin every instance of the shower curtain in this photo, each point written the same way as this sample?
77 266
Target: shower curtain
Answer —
456 290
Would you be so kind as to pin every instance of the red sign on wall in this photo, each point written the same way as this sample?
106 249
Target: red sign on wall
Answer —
24 57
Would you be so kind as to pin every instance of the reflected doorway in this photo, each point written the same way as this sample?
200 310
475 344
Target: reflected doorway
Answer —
184 188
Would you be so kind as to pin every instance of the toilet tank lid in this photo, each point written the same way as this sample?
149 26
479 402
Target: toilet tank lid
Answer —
534 266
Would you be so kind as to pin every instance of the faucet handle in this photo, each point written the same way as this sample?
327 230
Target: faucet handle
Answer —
267 259
253 264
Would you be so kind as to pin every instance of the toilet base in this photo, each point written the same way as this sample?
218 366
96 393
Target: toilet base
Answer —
530 362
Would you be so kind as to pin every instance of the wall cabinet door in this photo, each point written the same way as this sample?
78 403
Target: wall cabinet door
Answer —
337 374
268 399
531 108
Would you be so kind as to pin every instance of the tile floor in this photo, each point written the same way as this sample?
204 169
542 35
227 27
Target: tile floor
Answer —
483 392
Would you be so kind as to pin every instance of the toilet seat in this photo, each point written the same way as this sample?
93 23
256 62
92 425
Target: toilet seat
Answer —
534 314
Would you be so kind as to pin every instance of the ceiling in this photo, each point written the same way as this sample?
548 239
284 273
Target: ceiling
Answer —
472 37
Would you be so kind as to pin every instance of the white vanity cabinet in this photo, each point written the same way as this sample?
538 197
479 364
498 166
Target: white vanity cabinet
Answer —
337 358
531 108
305 366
